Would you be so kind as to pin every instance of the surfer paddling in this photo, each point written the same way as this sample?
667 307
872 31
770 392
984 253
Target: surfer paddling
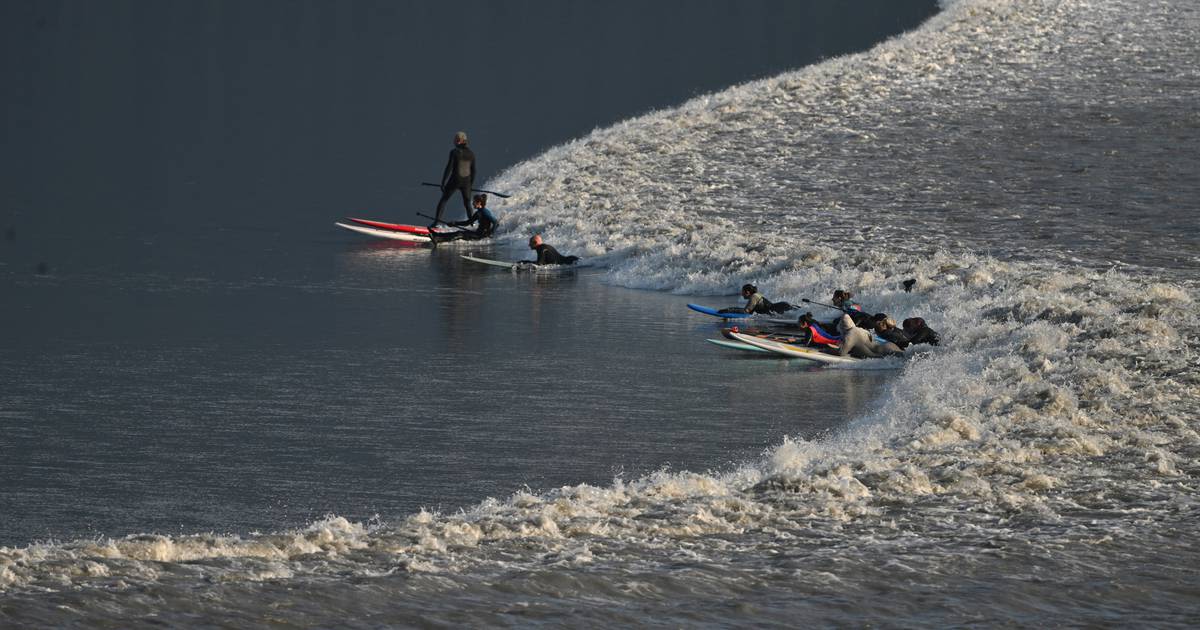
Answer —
459 175
546 254
757 304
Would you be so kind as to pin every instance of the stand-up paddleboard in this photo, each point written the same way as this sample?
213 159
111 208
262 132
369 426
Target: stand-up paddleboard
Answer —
399 227
521 266
794 351
398 231
707 310
395 235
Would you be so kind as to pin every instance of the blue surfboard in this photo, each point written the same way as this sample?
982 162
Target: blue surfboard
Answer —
716 313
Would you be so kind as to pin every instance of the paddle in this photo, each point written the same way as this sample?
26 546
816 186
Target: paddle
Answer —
422 214
837 308
490 192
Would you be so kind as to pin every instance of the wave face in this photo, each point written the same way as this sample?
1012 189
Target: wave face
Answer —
1016 158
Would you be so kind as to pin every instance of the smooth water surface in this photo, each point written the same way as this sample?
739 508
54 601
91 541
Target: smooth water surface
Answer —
384 379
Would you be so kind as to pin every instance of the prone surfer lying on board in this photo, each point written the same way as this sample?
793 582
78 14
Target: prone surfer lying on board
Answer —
843 303
547 255
859 342
756 303
841 299
817 336
913 331
920 332
811 333
885 328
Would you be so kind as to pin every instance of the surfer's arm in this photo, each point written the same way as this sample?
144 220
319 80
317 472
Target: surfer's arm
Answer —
449 169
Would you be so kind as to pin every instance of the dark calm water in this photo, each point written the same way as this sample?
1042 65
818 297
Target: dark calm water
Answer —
358 378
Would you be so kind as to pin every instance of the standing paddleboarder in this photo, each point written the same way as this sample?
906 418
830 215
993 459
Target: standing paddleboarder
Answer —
459 175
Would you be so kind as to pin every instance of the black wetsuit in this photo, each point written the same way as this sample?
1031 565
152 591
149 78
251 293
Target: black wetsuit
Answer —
860 319
487 225
547 255
920 332
896 336
459 175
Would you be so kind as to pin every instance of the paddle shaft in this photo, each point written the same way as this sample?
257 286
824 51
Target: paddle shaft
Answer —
490 192
836 308
422 214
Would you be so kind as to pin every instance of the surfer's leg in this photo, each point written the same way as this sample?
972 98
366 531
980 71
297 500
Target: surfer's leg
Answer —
437 217
884 349
466 197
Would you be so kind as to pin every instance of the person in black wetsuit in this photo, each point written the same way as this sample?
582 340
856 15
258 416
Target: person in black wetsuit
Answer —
885 328
920 332
547 255
459 175
842 301
484 217
756 303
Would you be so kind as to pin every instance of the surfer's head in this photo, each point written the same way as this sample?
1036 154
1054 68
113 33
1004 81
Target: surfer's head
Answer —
460 137
805 320
840 296
748 290
534 241
480 201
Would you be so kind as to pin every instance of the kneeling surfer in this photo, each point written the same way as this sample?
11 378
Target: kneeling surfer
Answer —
483 217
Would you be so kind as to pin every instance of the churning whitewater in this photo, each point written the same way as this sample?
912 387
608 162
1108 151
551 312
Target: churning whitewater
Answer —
1046 454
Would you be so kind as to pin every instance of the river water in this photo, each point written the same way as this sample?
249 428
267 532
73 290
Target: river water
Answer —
309 428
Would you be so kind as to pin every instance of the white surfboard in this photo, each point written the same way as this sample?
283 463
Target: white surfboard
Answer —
395 235
794 351
737 345
520 266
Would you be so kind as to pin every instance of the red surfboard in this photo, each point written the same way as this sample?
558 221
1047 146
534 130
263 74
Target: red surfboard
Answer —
399 227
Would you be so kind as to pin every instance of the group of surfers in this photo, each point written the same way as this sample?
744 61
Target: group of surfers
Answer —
459 176
859 333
